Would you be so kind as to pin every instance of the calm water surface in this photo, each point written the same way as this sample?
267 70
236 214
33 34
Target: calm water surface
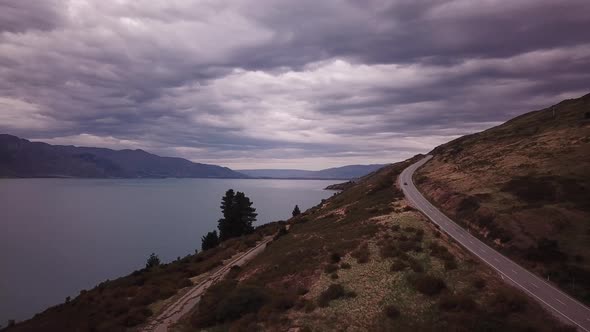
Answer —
58 236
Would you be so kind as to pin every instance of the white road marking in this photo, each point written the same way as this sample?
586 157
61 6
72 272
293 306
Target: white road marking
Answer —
451 231
514 272
534 285
470 241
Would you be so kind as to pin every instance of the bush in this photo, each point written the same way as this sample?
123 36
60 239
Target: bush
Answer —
506 301
335 257
388 250
362 254
331 268
335 291
398 265
415 265
450 264
456 303
391 312
282 232
426 284
546 251
478 283
137 317
152 261
345 266
209 241
241 301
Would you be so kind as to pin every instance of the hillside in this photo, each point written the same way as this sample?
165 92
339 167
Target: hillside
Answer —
337 173
22 158
361 260
524 186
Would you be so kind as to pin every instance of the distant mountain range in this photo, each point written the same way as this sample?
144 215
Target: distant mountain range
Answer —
336 173
22 158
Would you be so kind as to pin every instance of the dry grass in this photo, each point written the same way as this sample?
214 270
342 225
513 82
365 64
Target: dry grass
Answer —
536 186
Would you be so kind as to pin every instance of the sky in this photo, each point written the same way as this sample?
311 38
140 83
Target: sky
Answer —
283 84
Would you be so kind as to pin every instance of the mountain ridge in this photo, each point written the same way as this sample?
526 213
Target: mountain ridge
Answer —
337 173
21 158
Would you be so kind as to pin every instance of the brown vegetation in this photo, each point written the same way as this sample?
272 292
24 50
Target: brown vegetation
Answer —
523 187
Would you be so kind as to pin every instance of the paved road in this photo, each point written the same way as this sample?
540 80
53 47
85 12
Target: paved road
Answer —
566 308
184 304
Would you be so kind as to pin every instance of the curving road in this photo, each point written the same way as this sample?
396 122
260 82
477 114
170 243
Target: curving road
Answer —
566 308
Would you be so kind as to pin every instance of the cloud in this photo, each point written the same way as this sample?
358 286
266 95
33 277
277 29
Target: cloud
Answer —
281 83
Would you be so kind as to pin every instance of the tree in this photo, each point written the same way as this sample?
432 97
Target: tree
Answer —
238 215
296 211
209 241
152 261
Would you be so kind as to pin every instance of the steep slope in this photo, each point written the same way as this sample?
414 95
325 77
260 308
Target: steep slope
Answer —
22 158
340 173
361 260
524 186
365 261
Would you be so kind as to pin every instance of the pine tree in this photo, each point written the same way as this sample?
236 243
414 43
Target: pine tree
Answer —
152 261
209 241
238 215
296 211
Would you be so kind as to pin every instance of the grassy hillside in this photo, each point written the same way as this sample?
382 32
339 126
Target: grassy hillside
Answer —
524 186
365 261
126 303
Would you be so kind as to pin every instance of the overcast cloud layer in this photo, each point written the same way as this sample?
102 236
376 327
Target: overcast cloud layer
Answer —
283 84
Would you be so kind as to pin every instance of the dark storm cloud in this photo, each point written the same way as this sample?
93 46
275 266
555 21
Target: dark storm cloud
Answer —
20 16
266 83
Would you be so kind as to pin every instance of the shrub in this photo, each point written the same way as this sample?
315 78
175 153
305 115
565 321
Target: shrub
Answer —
532 189
506 301
345 266
426 284
546 251
152 261
296 211
331 268
333 292
282 232
415 265
136 317
398 265
478 283
209 241
242 300
450 264
335 257
334 276
457 303
391 312
388 250
362 253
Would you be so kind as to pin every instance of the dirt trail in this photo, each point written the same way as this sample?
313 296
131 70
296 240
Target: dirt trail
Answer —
184 304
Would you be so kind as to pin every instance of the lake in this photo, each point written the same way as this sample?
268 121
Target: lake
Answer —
58 236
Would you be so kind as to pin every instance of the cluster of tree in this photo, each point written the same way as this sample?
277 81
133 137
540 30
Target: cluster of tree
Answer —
238 216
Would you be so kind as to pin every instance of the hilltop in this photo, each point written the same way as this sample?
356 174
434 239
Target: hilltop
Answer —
524 186
21 158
